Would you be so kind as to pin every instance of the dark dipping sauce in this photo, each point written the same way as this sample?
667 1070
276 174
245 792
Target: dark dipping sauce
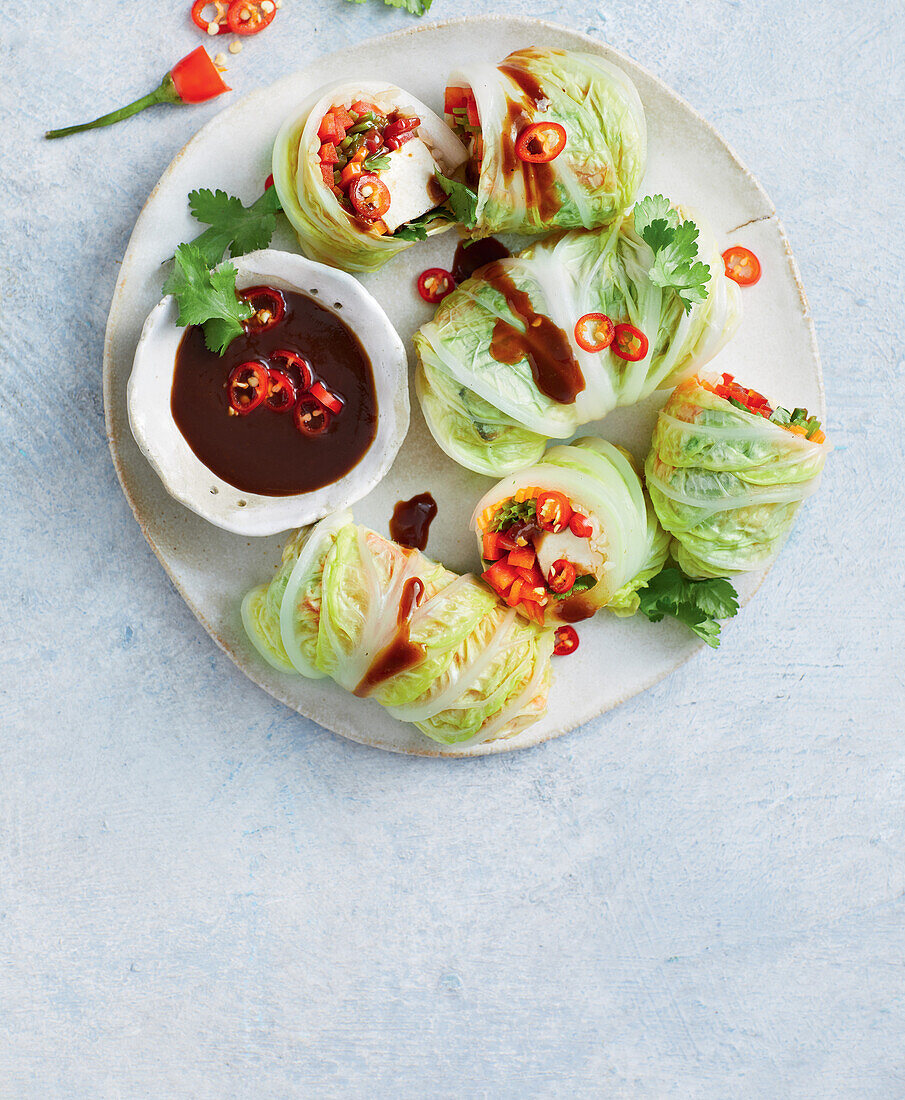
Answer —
469 257
401 653
554 368
263 452
411 520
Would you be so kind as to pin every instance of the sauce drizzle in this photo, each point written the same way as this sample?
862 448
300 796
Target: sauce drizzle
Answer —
411 521
544 344
469 257
401 652
539 179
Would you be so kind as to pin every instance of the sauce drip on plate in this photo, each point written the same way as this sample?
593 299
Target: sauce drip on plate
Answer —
264 452
546 347
411 521
469 257
401 652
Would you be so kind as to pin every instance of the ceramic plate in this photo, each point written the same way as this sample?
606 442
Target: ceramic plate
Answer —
774 350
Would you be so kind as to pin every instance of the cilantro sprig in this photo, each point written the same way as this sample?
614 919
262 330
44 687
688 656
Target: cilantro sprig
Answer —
697 604
207 298
233 226
416 229
462 199
416 7
675 246
582 584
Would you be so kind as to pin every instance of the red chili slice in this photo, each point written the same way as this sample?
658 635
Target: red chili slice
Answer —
250 16
562 576
742 266
281 393
268 183
269 306
299 362
370 197
540 142
630 343
553 512
565 641
205 24
248 386
594 332
434 284
311 418
580 527
331 401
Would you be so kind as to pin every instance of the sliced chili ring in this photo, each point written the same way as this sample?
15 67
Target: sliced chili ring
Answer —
250 16
299 362
565 641
580 527
434 284
561 577
248 386
594 332
540 142
630 343
742 266
553 512
206 24
268 304
310 416
331 401
281 392
370 197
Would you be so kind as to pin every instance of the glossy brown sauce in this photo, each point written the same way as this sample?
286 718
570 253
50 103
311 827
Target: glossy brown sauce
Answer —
411 520
469 257
541 192
401 653
264 452
546 347
574 609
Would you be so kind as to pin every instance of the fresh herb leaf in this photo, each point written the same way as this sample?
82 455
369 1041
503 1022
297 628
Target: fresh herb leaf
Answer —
675 246
376 163
582 584
416 7
698 604
463 201
416 229
207 297
516 511
239 228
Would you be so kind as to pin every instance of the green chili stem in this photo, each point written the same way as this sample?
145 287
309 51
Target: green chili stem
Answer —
165 93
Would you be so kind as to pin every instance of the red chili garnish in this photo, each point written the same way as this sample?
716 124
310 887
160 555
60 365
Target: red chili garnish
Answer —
248 386
281 392
565 641
540 142
594 332
580 527
434 284
399 131
370 197
630 343
562 576
331 401
553 512
742 266
205 24
299 362
268 183
250 16
269 306
311 418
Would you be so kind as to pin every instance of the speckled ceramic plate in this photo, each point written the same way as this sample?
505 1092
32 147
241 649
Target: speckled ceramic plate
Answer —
774 350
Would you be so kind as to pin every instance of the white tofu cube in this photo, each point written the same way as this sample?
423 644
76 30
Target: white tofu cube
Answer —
409 179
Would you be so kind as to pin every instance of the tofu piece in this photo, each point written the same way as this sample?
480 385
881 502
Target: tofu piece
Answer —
552 546
409 178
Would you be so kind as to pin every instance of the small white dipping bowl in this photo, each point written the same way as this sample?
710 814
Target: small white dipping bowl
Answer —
185 476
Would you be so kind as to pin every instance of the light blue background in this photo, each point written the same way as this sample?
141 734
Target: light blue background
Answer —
202 894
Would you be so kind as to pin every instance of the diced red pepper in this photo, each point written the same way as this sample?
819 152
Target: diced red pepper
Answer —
535 612
522 558
342 117
329 154
327 173
362 107
350 173
491 550
514 595
327 130
500 576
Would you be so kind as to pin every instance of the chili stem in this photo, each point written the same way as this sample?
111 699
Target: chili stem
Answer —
165 93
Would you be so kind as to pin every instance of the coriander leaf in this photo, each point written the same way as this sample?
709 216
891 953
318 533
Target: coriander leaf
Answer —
675 247
416 7
241 229
416 229
697 604
463 201
376 163
582 584
207 297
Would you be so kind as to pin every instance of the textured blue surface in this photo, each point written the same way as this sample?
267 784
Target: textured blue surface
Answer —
202 894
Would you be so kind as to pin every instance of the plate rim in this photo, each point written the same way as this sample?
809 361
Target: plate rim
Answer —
426 747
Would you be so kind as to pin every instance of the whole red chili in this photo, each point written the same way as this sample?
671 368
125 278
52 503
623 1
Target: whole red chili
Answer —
194 79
